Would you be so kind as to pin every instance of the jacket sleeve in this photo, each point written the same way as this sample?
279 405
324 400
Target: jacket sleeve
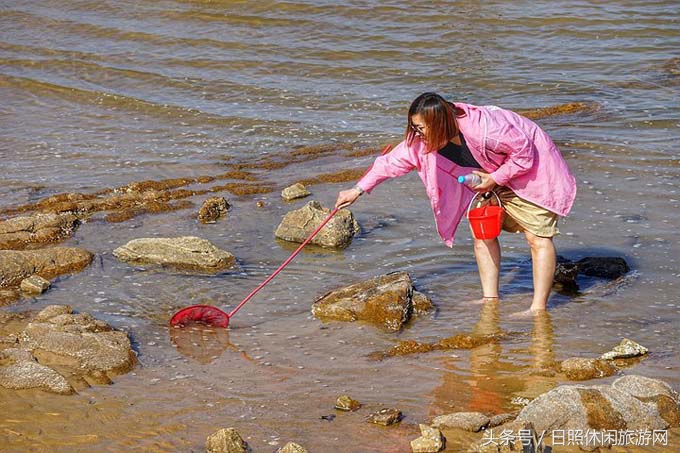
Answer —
519 151
398 162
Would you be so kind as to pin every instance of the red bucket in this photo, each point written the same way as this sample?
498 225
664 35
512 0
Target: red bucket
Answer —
486 221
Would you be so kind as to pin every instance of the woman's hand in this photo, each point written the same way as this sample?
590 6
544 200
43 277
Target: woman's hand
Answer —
347 197
487 183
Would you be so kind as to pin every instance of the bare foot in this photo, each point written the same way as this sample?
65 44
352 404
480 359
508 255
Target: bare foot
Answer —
527 314
484 300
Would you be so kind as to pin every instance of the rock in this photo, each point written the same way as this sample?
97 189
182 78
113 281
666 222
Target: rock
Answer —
297 225
212 209
297 190
565 273
183 252
422 304
430 441
19 370
500 419
385 417
468 421
88 347
18 232
655 392
590 408
16 266
582 369
625 350
34 284
385 301
603 266
291 447
345 403
226 441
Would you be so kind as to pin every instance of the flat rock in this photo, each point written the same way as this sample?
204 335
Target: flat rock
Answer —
19 370
297 190
385 417
34 284
468 421
16 265
184 252
430 441
18 232
297 225
625 350
583 369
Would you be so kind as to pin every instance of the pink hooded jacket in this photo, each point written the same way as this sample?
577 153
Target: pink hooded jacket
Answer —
513 149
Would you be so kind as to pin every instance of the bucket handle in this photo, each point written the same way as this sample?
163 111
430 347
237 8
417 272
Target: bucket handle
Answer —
467 214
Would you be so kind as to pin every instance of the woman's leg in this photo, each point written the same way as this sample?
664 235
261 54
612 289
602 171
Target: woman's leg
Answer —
543 258
488 256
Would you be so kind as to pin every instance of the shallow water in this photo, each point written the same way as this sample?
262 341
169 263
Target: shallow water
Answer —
101 94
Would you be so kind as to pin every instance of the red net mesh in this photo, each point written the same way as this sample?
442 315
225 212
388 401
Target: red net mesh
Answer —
204 314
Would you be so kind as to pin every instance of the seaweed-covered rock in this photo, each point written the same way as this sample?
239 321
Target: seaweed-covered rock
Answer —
610 267
184 252
297 225
212 209
345 403
226 440
292 447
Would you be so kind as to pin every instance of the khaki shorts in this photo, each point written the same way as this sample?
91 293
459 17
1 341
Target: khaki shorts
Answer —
522 215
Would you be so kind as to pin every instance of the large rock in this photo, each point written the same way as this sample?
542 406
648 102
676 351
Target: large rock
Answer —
603 266
430 441
58 350
16 266
184 252
18 232
599 407
386 301
20 370
297 225
520 436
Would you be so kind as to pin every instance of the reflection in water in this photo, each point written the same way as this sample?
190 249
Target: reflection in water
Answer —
202 343
496 377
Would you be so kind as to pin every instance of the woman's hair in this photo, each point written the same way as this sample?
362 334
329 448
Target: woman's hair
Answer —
439 117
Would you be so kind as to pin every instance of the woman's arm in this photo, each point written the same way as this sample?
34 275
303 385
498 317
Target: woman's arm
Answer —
519 151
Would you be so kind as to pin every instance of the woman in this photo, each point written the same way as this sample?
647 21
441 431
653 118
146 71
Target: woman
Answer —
513 157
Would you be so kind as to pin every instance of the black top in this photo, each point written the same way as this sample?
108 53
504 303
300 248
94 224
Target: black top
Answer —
459 154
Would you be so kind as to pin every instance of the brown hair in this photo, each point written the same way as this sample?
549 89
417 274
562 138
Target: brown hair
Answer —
439 116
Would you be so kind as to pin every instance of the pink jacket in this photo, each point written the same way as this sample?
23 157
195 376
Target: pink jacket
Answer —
513 149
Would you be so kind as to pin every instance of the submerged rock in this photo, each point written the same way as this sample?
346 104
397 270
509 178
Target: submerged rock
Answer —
226 440
386 301
292 447
212 209
183 252
59 349
295 191
468 421
583 369
610 267
297 225
625 350
18 232
430 441
16 265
